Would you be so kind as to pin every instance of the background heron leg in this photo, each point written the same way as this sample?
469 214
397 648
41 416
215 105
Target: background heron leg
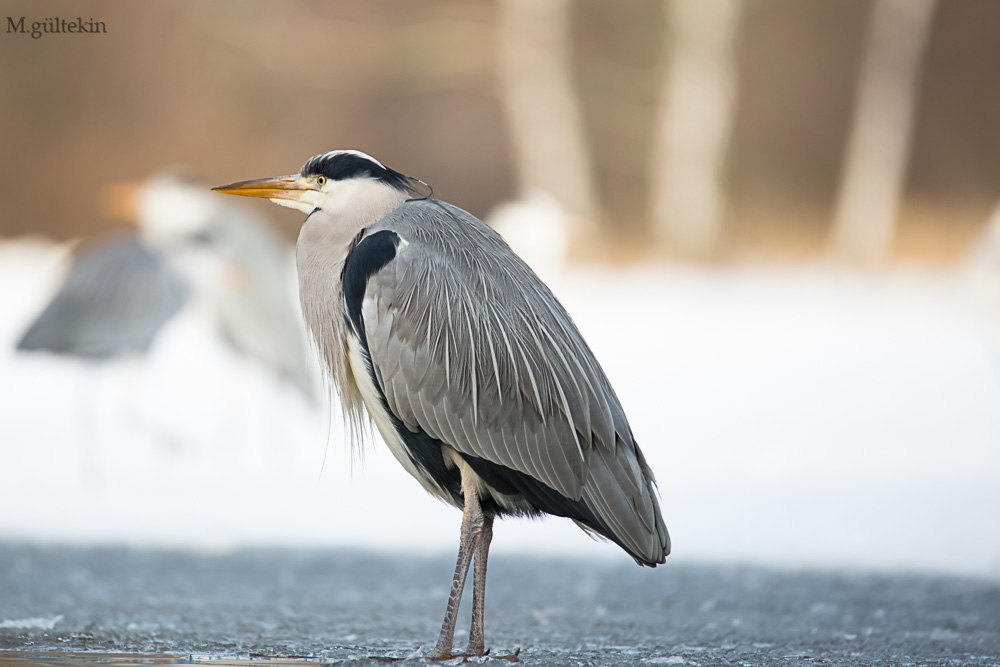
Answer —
472 523
477 637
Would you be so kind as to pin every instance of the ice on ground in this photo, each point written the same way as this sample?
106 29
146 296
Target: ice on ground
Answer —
31 623
666 660
793 417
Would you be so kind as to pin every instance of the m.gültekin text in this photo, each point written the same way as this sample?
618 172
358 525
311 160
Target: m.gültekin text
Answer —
55 26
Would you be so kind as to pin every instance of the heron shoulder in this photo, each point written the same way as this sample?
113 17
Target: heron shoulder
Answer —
431 221
371 254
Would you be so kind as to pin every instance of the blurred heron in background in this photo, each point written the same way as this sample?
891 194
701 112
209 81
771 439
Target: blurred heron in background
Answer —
116 298
191 251
475 375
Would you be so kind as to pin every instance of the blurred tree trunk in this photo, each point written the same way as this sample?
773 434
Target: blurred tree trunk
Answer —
543 112
878 147
694 123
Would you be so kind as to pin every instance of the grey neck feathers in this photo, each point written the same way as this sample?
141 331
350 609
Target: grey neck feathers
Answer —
327 234
324 242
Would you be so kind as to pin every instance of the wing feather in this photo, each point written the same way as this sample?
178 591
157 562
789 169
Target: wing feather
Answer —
483 357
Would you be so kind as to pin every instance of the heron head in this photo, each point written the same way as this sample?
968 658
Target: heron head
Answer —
330 182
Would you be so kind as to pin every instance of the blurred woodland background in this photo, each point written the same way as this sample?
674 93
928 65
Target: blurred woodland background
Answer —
709 129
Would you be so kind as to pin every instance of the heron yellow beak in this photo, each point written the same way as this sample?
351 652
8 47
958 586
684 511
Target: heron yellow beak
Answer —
281 187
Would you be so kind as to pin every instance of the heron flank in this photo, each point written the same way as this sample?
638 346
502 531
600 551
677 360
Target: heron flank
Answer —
474 374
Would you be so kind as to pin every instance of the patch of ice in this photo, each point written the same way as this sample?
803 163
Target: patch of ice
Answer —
691 649
38 623
667 660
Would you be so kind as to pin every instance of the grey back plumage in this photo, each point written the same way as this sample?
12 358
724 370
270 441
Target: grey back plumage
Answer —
114 301
468 345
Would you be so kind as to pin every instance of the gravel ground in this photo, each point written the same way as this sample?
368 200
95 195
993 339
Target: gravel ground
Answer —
349 606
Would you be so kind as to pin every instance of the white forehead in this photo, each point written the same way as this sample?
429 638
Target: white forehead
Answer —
355 153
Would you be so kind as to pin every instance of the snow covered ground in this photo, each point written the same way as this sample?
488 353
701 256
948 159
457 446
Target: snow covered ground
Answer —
794 417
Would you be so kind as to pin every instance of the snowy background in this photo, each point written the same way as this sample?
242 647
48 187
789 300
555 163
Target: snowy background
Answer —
795 417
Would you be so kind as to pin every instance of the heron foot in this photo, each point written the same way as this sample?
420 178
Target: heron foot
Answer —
510 657
442 656
436 656
439 654
477 651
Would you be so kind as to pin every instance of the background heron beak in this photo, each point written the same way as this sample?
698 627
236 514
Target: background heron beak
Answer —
280 187
120 201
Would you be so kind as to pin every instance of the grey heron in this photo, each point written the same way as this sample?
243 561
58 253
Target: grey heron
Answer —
473 372
116 298
190 249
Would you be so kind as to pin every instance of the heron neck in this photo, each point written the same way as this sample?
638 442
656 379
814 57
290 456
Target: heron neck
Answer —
327 234
324 242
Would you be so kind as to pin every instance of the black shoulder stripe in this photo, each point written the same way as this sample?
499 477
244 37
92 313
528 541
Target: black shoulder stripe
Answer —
373 253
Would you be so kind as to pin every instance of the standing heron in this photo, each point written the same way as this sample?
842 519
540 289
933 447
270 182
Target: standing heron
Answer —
121 291
473 372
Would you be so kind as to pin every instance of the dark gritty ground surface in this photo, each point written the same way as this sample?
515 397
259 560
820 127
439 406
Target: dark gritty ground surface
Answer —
347 607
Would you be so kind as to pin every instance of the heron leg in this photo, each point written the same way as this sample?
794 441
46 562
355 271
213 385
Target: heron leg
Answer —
472 523
477 638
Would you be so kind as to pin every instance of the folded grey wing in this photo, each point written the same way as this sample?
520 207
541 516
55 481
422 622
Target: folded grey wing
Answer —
469 346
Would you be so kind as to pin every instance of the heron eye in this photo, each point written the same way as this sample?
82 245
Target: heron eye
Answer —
321 181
